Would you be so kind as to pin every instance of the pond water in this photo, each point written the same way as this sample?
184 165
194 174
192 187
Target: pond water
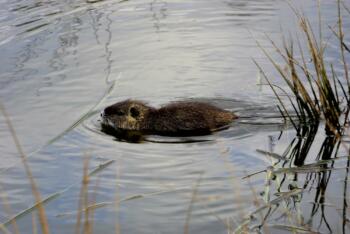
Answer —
62 62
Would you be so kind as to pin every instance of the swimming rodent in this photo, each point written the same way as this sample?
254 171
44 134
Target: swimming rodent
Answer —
184 118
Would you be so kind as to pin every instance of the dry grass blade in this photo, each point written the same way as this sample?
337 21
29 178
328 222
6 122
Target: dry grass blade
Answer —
100 167
304 100
327 97
93 201
91 207
308 169
41 211
83 117
268 205
257 204
277 200
341 41
293 81
319 93
83 197
276 94
117 198
8 209
294 229
193 198
337 35
54 195
128 198
272 155
345 7
35 228
4 229
253 174
86 180
310 105
30 209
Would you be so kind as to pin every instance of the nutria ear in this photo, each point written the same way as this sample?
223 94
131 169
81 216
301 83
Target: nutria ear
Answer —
134 112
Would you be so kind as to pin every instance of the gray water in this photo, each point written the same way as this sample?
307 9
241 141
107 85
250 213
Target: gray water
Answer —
63 61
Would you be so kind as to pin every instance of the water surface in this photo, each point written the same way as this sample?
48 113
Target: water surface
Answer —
63 61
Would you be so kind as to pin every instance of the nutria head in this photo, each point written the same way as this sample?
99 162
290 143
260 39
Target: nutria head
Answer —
127 115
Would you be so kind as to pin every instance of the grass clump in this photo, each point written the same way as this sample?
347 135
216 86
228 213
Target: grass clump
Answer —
317 91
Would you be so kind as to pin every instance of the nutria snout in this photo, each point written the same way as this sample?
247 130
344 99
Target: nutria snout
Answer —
183 118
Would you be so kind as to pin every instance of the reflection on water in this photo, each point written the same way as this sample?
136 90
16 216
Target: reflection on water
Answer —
63 61
300 193
159 9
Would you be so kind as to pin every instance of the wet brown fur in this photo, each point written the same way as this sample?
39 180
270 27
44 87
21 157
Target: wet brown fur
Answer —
175 119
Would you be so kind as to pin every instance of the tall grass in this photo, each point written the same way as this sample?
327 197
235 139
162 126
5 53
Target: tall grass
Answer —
35 191
85 210
316 91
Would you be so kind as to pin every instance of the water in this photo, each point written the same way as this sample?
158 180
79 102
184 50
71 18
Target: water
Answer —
62 62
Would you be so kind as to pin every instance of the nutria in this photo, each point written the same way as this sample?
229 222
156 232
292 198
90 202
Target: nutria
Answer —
183 118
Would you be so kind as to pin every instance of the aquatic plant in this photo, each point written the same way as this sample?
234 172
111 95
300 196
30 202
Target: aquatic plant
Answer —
319 97
315 92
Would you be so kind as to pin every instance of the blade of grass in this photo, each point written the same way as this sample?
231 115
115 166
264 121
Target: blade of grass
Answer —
295 229
293 85
128 198
82 195
30 209
341 41
273 155
117 198
85 197
54 195
8 209
35 228
93 201
276 94
193 198
277 200
83 117
4 229
41 210
305 170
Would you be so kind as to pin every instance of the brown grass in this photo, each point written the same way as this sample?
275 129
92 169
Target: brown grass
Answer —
35 191
320 97
83 200
8 209
190 207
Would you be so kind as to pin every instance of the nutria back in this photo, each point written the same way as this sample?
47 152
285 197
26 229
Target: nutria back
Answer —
190 118
176 119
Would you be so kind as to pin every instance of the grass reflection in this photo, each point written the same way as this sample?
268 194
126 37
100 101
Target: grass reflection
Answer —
296 195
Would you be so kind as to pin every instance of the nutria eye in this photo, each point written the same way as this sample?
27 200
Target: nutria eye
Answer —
134 112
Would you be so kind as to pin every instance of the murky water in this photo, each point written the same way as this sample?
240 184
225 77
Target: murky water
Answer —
63 61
